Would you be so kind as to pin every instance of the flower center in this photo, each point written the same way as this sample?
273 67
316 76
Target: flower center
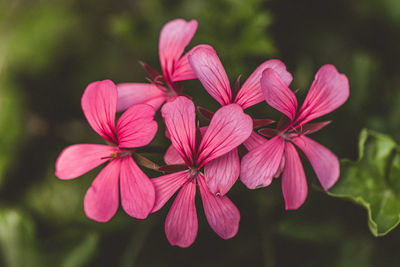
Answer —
118 154
193 173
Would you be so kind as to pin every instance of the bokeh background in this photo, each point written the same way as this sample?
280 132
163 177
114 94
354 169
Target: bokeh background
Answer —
50 51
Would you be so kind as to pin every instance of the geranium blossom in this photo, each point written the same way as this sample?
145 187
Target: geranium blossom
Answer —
211 73
135 128
174 37
209 70
229 127
329 90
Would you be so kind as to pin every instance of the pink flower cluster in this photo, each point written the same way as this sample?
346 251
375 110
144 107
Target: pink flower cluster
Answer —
201 157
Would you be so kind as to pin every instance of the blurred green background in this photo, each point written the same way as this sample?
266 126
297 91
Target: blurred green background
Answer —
50 51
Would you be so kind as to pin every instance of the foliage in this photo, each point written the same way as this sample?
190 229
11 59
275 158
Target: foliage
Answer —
373 181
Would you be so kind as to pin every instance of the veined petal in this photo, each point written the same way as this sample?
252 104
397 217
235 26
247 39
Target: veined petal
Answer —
136 127
325 163
174 37
180 118
222 215
255 140
140 93
250 93
260 164
78 159
229 127
137 191
183 71
172 156
277 94
102 198
329 90
99 103
221 173
281 167
209 70
165 186
294 184
181 223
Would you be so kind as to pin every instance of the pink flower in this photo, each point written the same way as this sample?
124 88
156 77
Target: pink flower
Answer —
209 70
229 127
174 37
329 90
135 128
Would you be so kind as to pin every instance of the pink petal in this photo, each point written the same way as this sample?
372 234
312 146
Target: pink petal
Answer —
101 199
229 127
255 140
76 160
209 70
183 71
140 93
261 164
165 186
294 184
181 222
325 163
174 37
277 94
172 156
136 127
250 93
137 191
99 103
329 91
281 167
221 173
222 215
179 117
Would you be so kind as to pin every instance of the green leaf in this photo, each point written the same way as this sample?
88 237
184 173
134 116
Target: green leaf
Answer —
373 181
17 239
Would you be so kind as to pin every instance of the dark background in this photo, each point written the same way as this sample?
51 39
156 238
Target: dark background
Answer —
51 50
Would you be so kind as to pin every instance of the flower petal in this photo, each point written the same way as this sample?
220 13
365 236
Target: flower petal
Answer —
174 37
221 173
183 71
101 199
260 164
165 186
209 70
294 184
78 159
137 191
136 127
172 157
255 140
140 93
229 127
99 103
250 93
181 223
277 94
222 215
325 163
329 90
179 117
